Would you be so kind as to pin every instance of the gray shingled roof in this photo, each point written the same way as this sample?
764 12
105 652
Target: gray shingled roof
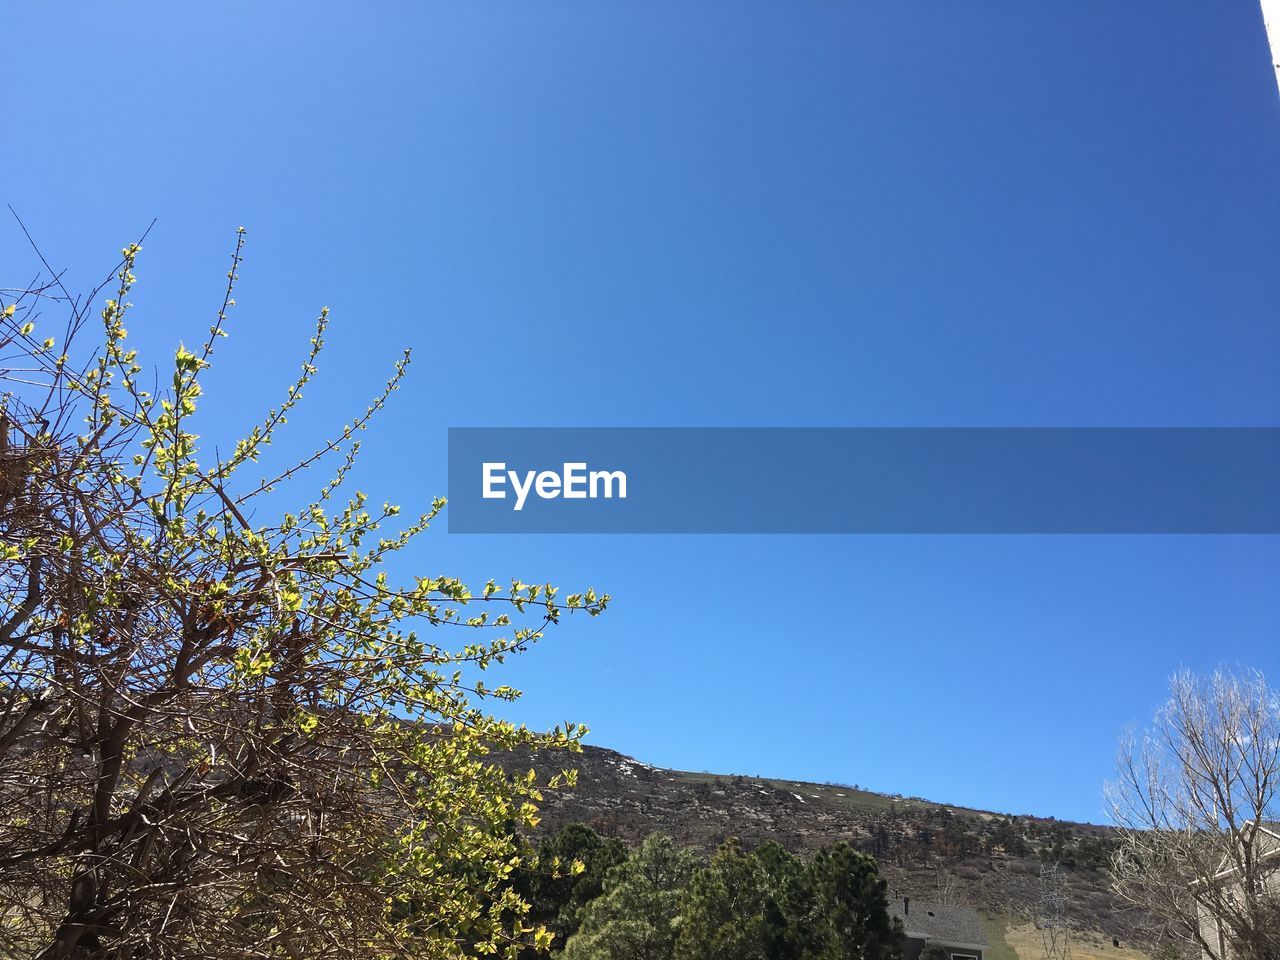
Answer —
936 921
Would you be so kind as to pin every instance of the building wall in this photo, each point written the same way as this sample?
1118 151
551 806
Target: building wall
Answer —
912 947
1213 931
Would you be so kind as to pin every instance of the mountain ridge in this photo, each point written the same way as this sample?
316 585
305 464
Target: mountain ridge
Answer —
927 850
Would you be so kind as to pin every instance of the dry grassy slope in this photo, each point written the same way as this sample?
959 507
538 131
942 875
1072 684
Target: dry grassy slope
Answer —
922 847
1026 943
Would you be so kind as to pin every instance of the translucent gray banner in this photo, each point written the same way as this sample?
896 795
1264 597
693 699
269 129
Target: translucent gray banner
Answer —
864 480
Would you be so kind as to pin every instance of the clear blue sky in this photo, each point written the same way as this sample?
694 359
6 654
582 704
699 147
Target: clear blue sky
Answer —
726 213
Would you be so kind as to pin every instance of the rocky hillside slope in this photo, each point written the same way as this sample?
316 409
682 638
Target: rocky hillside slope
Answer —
930 851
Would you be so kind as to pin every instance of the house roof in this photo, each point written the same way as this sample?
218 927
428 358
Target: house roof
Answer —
1267 850
942 922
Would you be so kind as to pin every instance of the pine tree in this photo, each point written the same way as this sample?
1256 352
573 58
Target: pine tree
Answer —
638 915
851 910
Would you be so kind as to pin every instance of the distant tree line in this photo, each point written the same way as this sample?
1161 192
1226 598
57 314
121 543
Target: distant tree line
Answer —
924 836
917 833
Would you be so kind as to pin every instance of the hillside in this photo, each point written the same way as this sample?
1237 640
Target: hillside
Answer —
926 850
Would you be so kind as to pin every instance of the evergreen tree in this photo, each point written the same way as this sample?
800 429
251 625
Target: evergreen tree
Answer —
637 917
726 915
770 906
569 873
790 934
851 910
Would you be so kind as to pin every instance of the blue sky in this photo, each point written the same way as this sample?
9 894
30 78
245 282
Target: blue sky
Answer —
817 213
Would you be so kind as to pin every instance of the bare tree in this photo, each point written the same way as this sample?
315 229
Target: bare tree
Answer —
222 733
1195 799
946 887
